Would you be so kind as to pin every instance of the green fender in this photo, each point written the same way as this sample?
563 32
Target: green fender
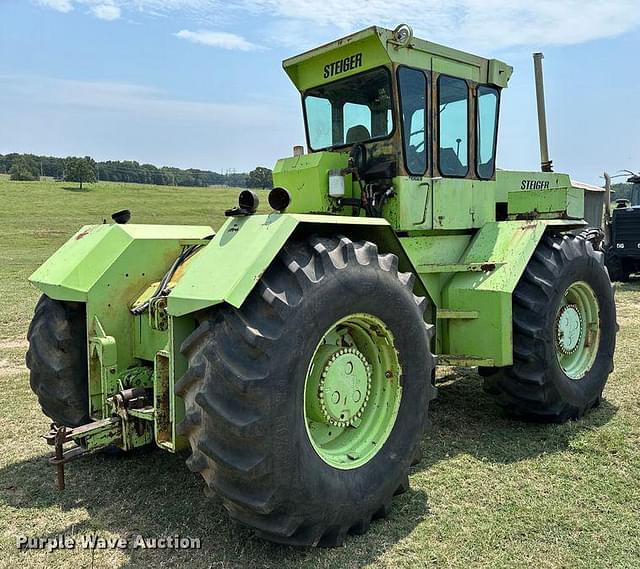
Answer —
112 259
477 320
229 267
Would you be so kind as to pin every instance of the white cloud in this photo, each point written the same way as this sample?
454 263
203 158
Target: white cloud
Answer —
110 120
63 6
478 24
488 25
134 100
107 12
224 40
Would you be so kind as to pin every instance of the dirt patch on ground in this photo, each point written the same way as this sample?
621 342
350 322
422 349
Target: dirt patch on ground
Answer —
13 343
46 233
8 368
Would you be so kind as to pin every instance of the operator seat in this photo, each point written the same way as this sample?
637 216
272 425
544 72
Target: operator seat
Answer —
416 159
357 133
450 164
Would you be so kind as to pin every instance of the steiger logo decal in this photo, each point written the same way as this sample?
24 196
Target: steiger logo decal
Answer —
342 65
534 185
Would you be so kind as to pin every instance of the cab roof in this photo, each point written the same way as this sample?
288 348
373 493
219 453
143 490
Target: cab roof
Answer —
375 46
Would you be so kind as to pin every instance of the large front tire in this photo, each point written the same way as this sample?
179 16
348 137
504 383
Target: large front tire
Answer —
564 334
252 413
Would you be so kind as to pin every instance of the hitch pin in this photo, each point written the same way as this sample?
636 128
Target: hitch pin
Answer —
59 441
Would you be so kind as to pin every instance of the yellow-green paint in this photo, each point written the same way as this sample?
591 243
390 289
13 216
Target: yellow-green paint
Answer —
462 204
427 251
306 178
509 245
308 69
514 180
352 391
471 277
568 202
232 263
228 268
413 209
83 261
577 330
378 47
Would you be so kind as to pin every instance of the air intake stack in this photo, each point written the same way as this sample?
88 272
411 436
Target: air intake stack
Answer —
546 163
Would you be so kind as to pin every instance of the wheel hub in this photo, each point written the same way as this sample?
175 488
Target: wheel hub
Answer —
344 387
352 391
568 329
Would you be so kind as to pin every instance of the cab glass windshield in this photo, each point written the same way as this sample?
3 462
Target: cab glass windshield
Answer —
355 109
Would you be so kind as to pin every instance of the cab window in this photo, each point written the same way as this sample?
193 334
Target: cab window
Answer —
351 110
453 126
413 97
356 116
487 129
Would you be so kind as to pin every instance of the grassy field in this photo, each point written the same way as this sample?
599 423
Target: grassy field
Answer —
491 492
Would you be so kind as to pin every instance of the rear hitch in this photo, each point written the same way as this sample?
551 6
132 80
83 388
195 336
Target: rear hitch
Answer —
129 426
86 439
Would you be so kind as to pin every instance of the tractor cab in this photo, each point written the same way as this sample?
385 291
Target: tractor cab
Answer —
403 118
635 190
362 109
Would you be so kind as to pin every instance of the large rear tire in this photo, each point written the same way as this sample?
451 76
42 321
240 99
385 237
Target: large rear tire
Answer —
564 334
266 391
57 360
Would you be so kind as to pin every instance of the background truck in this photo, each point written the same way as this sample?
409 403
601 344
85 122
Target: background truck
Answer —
294 352
622 249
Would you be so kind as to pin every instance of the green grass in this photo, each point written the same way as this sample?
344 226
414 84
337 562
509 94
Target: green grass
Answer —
490 492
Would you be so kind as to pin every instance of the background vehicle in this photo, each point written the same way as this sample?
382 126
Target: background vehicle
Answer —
622 251
294 352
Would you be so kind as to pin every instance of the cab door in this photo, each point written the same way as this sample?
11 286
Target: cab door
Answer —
465 135
452 189
414 188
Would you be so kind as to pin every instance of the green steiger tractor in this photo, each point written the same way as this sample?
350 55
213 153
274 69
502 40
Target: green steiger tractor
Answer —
294 352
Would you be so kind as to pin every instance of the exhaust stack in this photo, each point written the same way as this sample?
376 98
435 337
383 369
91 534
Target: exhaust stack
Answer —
546 163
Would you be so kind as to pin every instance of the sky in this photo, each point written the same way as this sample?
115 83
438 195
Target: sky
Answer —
199 83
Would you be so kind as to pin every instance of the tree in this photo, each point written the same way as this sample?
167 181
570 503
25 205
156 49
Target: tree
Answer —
622 191
80 170
24 168
260 178
237 180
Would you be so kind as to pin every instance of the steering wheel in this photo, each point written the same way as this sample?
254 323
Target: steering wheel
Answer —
420 146
358 156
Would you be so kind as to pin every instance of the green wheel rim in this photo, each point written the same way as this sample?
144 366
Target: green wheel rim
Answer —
352 391
577 330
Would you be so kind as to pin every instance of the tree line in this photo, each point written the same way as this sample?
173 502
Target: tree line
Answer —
30 167
622 191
